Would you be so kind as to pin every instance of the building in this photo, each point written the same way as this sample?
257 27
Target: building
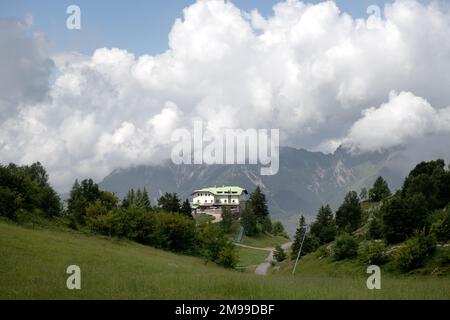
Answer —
211 200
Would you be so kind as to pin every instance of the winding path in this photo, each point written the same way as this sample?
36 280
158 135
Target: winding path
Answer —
264 266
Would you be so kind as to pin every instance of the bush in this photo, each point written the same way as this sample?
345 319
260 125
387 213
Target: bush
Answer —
279 254
374 253
227 256
414 251
174 232
227 220
444 259
132 223
376 229
10 203
345 247
441 226
323 252
277 228
211 240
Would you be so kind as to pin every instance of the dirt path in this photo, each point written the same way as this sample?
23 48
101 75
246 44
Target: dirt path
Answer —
264 266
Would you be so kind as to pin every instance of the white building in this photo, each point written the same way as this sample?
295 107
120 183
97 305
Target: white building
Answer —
212 200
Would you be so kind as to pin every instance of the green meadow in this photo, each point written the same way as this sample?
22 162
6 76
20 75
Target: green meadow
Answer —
33 264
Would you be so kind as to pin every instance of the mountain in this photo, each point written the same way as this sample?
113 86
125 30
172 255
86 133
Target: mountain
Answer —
305 180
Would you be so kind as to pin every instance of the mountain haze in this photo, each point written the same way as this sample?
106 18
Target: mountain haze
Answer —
305 181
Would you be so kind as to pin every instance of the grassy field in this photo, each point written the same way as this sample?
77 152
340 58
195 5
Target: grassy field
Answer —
249 259
264 241
33 265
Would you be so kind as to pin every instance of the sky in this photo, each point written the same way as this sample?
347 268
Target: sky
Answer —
140 26
326 74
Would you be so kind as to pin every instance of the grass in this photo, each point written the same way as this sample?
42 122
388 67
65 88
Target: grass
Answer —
203 218
34 261
264 241
249 259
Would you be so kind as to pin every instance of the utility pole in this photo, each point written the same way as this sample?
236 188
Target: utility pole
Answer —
300 250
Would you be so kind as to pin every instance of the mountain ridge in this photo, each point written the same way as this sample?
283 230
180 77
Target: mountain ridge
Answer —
305 181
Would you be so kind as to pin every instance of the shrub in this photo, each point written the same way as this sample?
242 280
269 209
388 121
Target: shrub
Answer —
323 252
441 227
174 232
414 251
374 253
444 259
279 254
266 224
227 256
132 223
345 247
376 229
277 228
211 240
10 203
227 220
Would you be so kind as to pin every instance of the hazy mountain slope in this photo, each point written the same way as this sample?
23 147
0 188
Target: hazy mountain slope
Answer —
304 182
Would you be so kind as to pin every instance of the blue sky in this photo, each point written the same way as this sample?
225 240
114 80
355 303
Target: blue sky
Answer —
140 26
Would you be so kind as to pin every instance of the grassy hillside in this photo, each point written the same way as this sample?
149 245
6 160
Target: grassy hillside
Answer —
34 261
264 240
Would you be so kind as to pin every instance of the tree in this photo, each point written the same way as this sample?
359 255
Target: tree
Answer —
259 204
227 220
310 243
81 196
249 220
277 228
375 229
186 209
364 194
345 247
324 227
279 254
145 200
138 199
402 217
212 239
26 189
379 191
174 232
129 199
169 202
348 216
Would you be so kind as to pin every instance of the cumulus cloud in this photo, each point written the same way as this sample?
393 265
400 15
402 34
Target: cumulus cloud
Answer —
307 69
400 121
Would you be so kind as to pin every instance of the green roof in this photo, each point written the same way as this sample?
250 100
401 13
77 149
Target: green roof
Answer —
224 190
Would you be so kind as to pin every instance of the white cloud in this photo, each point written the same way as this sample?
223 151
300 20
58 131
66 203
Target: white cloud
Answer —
24 64
403 119
309 70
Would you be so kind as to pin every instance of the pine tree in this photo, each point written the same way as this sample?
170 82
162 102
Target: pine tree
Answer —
248 220
146 200
299 235
364 194
259 205
348 216
324 227
128 200
227 220
379 191
169 202
186 209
